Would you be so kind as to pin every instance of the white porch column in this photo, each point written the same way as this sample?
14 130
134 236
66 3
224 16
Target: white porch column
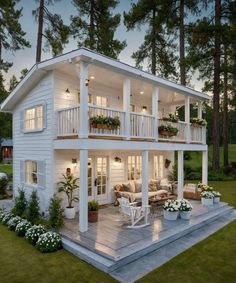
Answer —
83 112
187 118
199 110
145 177
83 191
205 167
155 97
180 174
126 105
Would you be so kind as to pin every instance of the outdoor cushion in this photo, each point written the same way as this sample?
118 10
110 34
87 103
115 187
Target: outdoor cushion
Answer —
138 186
153 185
129 186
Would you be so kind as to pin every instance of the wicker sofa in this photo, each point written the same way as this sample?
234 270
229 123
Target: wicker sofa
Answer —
133 189
191 191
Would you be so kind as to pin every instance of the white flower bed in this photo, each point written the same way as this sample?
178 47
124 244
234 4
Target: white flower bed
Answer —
12 223
7 217
216 194
34 232
22 228
185 205
171 205
207 195
49 242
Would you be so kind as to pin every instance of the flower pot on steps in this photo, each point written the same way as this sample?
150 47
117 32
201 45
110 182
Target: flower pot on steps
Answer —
171 215
185 215
216 199
207 201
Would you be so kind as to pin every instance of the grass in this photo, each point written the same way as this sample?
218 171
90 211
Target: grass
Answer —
21 262
6 168
212 260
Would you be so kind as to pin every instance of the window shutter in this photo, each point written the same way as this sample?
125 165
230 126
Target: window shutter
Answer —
44 116
22 172
41 166
22 121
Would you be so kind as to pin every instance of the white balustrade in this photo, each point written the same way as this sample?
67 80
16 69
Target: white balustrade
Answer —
68 121
95 111
182 131
141 126
198 134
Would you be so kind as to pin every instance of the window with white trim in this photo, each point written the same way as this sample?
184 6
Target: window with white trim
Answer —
134 167
33 119
101 101
31 172
158 169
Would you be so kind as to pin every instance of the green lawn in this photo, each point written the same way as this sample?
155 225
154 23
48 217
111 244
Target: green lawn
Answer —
6 168
20 262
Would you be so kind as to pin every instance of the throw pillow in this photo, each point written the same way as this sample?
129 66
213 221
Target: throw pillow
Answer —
138 186
127 187
152 185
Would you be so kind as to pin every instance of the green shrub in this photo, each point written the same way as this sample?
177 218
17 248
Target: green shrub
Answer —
32 235
20 204
13 222
22 228
7 217
3 187
2 214
93 205
55 213
33 208
49 242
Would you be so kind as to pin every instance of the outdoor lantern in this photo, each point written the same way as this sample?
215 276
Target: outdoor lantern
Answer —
67 92
144 108
117 159
86 82
74 162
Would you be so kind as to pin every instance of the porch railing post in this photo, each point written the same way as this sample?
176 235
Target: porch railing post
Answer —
187 118
155 97
205 167
145 171
180 174
126 106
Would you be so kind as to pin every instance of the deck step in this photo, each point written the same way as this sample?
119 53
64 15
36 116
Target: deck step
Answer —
134 252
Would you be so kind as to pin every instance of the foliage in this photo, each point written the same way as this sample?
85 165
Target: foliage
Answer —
168 128
2 214
112 122
7 217
198 121
171 205
33 214
68 186
185 205
205 188
207 195
172 118
95 25
55 213
13 222
173 175
3 186
216 194
49 242
93 205
22 228
32 235
20 203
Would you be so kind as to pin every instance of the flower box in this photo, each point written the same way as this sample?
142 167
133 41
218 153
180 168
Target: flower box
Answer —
105 123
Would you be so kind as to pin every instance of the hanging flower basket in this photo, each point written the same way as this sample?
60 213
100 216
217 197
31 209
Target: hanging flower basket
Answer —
198 122
105 123
167 130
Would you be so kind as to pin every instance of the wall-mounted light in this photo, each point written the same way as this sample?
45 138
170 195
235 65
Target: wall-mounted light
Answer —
74 162
144 108
67 92
92 77
117 159
141 92
86 82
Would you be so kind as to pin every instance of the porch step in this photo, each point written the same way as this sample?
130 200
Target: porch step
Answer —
135 251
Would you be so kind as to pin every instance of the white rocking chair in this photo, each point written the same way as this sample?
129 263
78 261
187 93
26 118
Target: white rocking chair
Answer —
134 213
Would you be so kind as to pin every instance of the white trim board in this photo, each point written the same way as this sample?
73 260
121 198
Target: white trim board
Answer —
99 144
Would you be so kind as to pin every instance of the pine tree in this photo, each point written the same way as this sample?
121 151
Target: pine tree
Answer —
95 25
13 83
33 208
158 46
56 32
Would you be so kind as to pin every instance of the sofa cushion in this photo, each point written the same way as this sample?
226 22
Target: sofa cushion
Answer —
138 186
150 194
129 186
153 185
119 188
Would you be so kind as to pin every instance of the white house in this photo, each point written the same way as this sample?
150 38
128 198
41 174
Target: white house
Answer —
52 107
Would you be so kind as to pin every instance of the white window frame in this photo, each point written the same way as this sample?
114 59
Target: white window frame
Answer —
158 167
35 119
31 172
102 99
136 163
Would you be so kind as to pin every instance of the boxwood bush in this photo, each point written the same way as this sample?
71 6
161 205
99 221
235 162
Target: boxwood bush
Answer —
12 223
22 228
49 242
34 232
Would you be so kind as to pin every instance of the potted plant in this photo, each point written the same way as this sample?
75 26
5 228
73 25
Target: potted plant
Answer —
207 198
101 122
68 186
217 196
167 130
172 118
171 209
198 122
204 188
185 208
93 207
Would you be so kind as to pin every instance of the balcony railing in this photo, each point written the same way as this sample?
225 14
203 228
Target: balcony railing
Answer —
141 126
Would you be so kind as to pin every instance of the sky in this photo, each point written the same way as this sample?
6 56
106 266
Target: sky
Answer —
26 58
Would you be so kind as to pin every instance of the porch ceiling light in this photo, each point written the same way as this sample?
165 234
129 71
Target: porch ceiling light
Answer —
141 92
144 108
86 82
117 159
92 77
74 162
67 92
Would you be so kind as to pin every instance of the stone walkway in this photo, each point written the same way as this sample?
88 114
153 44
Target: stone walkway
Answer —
139 268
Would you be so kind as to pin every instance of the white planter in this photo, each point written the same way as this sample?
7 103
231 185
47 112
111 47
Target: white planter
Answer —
70 213
207 201
216 199
170 215
185 214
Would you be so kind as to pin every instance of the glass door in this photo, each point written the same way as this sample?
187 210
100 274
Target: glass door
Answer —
101 178
90 180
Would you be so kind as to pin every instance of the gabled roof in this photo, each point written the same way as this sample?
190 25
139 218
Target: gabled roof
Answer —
7 142
39 70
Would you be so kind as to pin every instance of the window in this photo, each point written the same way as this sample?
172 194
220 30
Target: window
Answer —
34 119
134 167
132 108
31 172
101 101
158 167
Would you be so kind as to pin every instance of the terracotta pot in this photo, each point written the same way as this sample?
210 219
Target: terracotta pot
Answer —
92 216
195 125
164 133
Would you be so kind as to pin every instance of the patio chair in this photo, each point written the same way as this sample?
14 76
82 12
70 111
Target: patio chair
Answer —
134 213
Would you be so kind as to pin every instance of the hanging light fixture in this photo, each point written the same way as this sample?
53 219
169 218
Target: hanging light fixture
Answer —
86 82
74 162
117 159
67 92
144 108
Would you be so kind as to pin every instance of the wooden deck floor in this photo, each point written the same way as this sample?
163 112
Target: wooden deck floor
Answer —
110 237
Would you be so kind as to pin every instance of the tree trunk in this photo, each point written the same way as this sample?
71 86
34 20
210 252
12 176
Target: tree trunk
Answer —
154 57
92 27
40 31
225 110
216 89
182 44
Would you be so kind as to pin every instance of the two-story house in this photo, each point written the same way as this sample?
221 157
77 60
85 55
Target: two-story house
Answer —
56 110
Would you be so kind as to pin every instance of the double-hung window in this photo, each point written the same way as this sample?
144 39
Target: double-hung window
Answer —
33 119
158 167
134 167
31 172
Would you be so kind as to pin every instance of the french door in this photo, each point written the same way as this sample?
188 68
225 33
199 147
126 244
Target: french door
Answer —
97 179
